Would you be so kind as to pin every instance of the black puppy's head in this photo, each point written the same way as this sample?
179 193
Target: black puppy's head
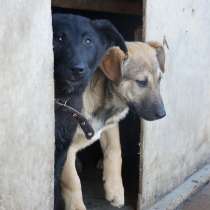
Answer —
79 45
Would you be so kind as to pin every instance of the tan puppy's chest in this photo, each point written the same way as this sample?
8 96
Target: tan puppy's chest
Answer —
99 125
100 110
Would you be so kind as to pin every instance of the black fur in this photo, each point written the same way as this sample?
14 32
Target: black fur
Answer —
79 45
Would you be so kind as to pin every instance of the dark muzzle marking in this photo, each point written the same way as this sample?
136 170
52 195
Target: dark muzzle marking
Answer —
83 122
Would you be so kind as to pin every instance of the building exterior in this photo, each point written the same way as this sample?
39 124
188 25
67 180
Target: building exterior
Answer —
26 105
172 149
177 146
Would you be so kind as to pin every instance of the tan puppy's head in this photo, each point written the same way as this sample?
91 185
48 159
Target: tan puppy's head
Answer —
137 77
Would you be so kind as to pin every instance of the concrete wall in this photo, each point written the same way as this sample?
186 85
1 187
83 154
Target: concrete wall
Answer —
26 105
174 147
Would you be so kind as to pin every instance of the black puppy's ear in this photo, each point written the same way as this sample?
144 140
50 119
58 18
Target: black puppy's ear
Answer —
111 33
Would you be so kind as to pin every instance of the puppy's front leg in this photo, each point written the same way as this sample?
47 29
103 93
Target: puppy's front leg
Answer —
112 163
71 186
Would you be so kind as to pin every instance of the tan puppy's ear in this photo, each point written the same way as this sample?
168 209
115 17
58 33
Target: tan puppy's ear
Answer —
160 53
111 63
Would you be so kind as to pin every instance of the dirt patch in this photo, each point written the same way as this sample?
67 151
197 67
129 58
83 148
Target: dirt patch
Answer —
199 201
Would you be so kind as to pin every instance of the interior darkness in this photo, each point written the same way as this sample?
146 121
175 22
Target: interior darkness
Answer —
126 24
91 177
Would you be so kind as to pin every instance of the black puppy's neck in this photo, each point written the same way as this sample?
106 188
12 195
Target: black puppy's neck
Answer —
67 89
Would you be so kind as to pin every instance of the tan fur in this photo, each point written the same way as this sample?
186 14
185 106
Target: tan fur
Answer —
112 163
160 52
102 95
111 64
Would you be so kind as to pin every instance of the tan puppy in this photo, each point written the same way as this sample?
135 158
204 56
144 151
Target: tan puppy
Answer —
133 82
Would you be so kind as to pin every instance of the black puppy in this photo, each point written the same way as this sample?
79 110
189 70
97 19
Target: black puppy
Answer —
79 45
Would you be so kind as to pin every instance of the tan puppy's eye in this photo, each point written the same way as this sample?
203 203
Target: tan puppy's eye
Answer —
142 83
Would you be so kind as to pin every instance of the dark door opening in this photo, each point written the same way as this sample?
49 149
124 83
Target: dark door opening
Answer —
130 27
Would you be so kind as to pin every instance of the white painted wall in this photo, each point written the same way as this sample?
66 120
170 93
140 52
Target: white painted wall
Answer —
26 105
178 145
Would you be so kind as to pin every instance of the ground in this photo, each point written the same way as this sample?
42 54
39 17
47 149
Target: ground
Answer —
94 194
199 201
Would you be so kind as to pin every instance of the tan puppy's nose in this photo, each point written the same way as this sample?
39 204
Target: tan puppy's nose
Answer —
160 112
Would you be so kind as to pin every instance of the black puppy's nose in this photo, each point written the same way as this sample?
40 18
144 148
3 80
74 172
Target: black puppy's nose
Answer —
80 69
160 113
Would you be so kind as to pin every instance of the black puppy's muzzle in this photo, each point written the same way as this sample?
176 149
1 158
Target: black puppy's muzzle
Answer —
78 72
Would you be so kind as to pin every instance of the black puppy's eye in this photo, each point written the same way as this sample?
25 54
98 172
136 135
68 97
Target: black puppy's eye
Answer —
142 83
87 41
60 38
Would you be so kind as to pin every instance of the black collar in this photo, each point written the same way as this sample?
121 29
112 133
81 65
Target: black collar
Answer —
83 122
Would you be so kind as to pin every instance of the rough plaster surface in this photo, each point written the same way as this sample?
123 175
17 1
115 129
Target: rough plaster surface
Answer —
26 105
176 146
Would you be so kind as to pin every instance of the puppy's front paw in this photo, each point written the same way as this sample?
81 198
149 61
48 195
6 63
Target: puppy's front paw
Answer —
75 202
114 193
77 206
